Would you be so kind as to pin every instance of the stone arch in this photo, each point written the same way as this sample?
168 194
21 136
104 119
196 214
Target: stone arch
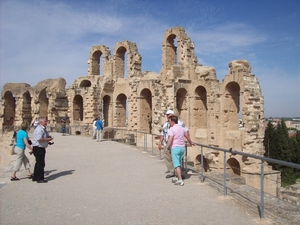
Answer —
44 101
120 64
85 83
107 109
234 165
231 106
198 163
181 104
121 109
96 65
26 107
127 60
183 54
199 119
146 110
9 109
78 108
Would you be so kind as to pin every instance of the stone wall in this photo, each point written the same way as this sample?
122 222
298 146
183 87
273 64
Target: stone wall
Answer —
227 114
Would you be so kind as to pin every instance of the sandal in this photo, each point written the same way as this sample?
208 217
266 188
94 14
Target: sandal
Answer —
30 176
14 178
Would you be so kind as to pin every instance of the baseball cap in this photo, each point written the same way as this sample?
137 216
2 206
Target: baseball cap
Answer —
170 112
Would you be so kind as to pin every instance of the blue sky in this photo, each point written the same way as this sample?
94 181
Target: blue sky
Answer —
50 39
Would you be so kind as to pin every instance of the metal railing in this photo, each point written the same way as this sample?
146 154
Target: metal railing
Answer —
147 142
142 139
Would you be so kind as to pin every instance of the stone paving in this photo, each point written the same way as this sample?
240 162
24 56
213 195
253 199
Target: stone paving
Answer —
112 183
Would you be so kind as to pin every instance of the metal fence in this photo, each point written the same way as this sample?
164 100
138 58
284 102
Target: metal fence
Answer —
147 142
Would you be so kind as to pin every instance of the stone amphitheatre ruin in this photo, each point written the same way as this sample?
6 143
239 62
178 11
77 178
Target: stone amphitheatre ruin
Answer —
211 109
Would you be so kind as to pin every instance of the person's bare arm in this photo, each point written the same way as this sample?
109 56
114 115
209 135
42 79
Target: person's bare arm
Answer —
188 138
170 140
161 139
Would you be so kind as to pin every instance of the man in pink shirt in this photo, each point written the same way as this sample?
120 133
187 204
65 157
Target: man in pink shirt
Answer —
176 143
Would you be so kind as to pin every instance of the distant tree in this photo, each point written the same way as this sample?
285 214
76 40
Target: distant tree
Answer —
284 142
296 148
270 142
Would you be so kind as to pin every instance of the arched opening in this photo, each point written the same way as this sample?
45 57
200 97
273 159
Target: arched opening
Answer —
235 167
199 111
106 109
120 116
181 104
121 64
198 163
146 111
43 100
26 108
231 105
9 109
78 108
171 51
85 83
96 63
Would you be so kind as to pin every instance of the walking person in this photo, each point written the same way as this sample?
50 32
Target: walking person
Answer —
41 139
163 139
22 141
99 128
94 129
176 143
35 122
63 127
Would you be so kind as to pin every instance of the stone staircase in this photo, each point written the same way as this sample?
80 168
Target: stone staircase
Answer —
291 193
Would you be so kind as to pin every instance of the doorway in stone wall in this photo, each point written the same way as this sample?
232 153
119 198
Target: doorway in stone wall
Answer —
181 105
78 108
235 167
198 163
26 107
146 111
231 106
199 112
43 100
9 109
120 111
107 110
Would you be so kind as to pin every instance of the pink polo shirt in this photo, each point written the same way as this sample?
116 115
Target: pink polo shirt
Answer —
178 135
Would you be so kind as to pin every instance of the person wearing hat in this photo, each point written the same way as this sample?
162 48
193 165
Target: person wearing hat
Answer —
163 140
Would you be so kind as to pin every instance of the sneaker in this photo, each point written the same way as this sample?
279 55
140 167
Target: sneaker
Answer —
174 180
179 182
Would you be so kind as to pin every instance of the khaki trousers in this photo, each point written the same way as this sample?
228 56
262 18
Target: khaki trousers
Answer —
168 161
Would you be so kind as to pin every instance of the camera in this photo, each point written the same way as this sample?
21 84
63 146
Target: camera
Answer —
50 142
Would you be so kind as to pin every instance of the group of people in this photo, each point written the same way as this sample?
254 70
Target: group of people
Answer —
97 129
37 147
172 143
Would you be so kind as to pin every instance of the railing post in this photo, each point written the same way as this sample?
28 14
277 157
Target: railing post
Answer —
202 178
262 187
152 145
185 158
225 175
145 142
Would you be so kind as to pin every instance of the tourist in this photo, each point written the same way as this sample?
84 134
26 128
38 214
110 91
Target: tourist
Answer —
19 150
63 127
94 129
99 128
176 143
163 139
41 138
35 122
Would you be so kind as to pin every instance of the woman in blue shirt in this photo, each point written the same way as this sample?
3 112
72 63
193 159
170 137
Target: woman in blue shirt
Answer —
20 146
